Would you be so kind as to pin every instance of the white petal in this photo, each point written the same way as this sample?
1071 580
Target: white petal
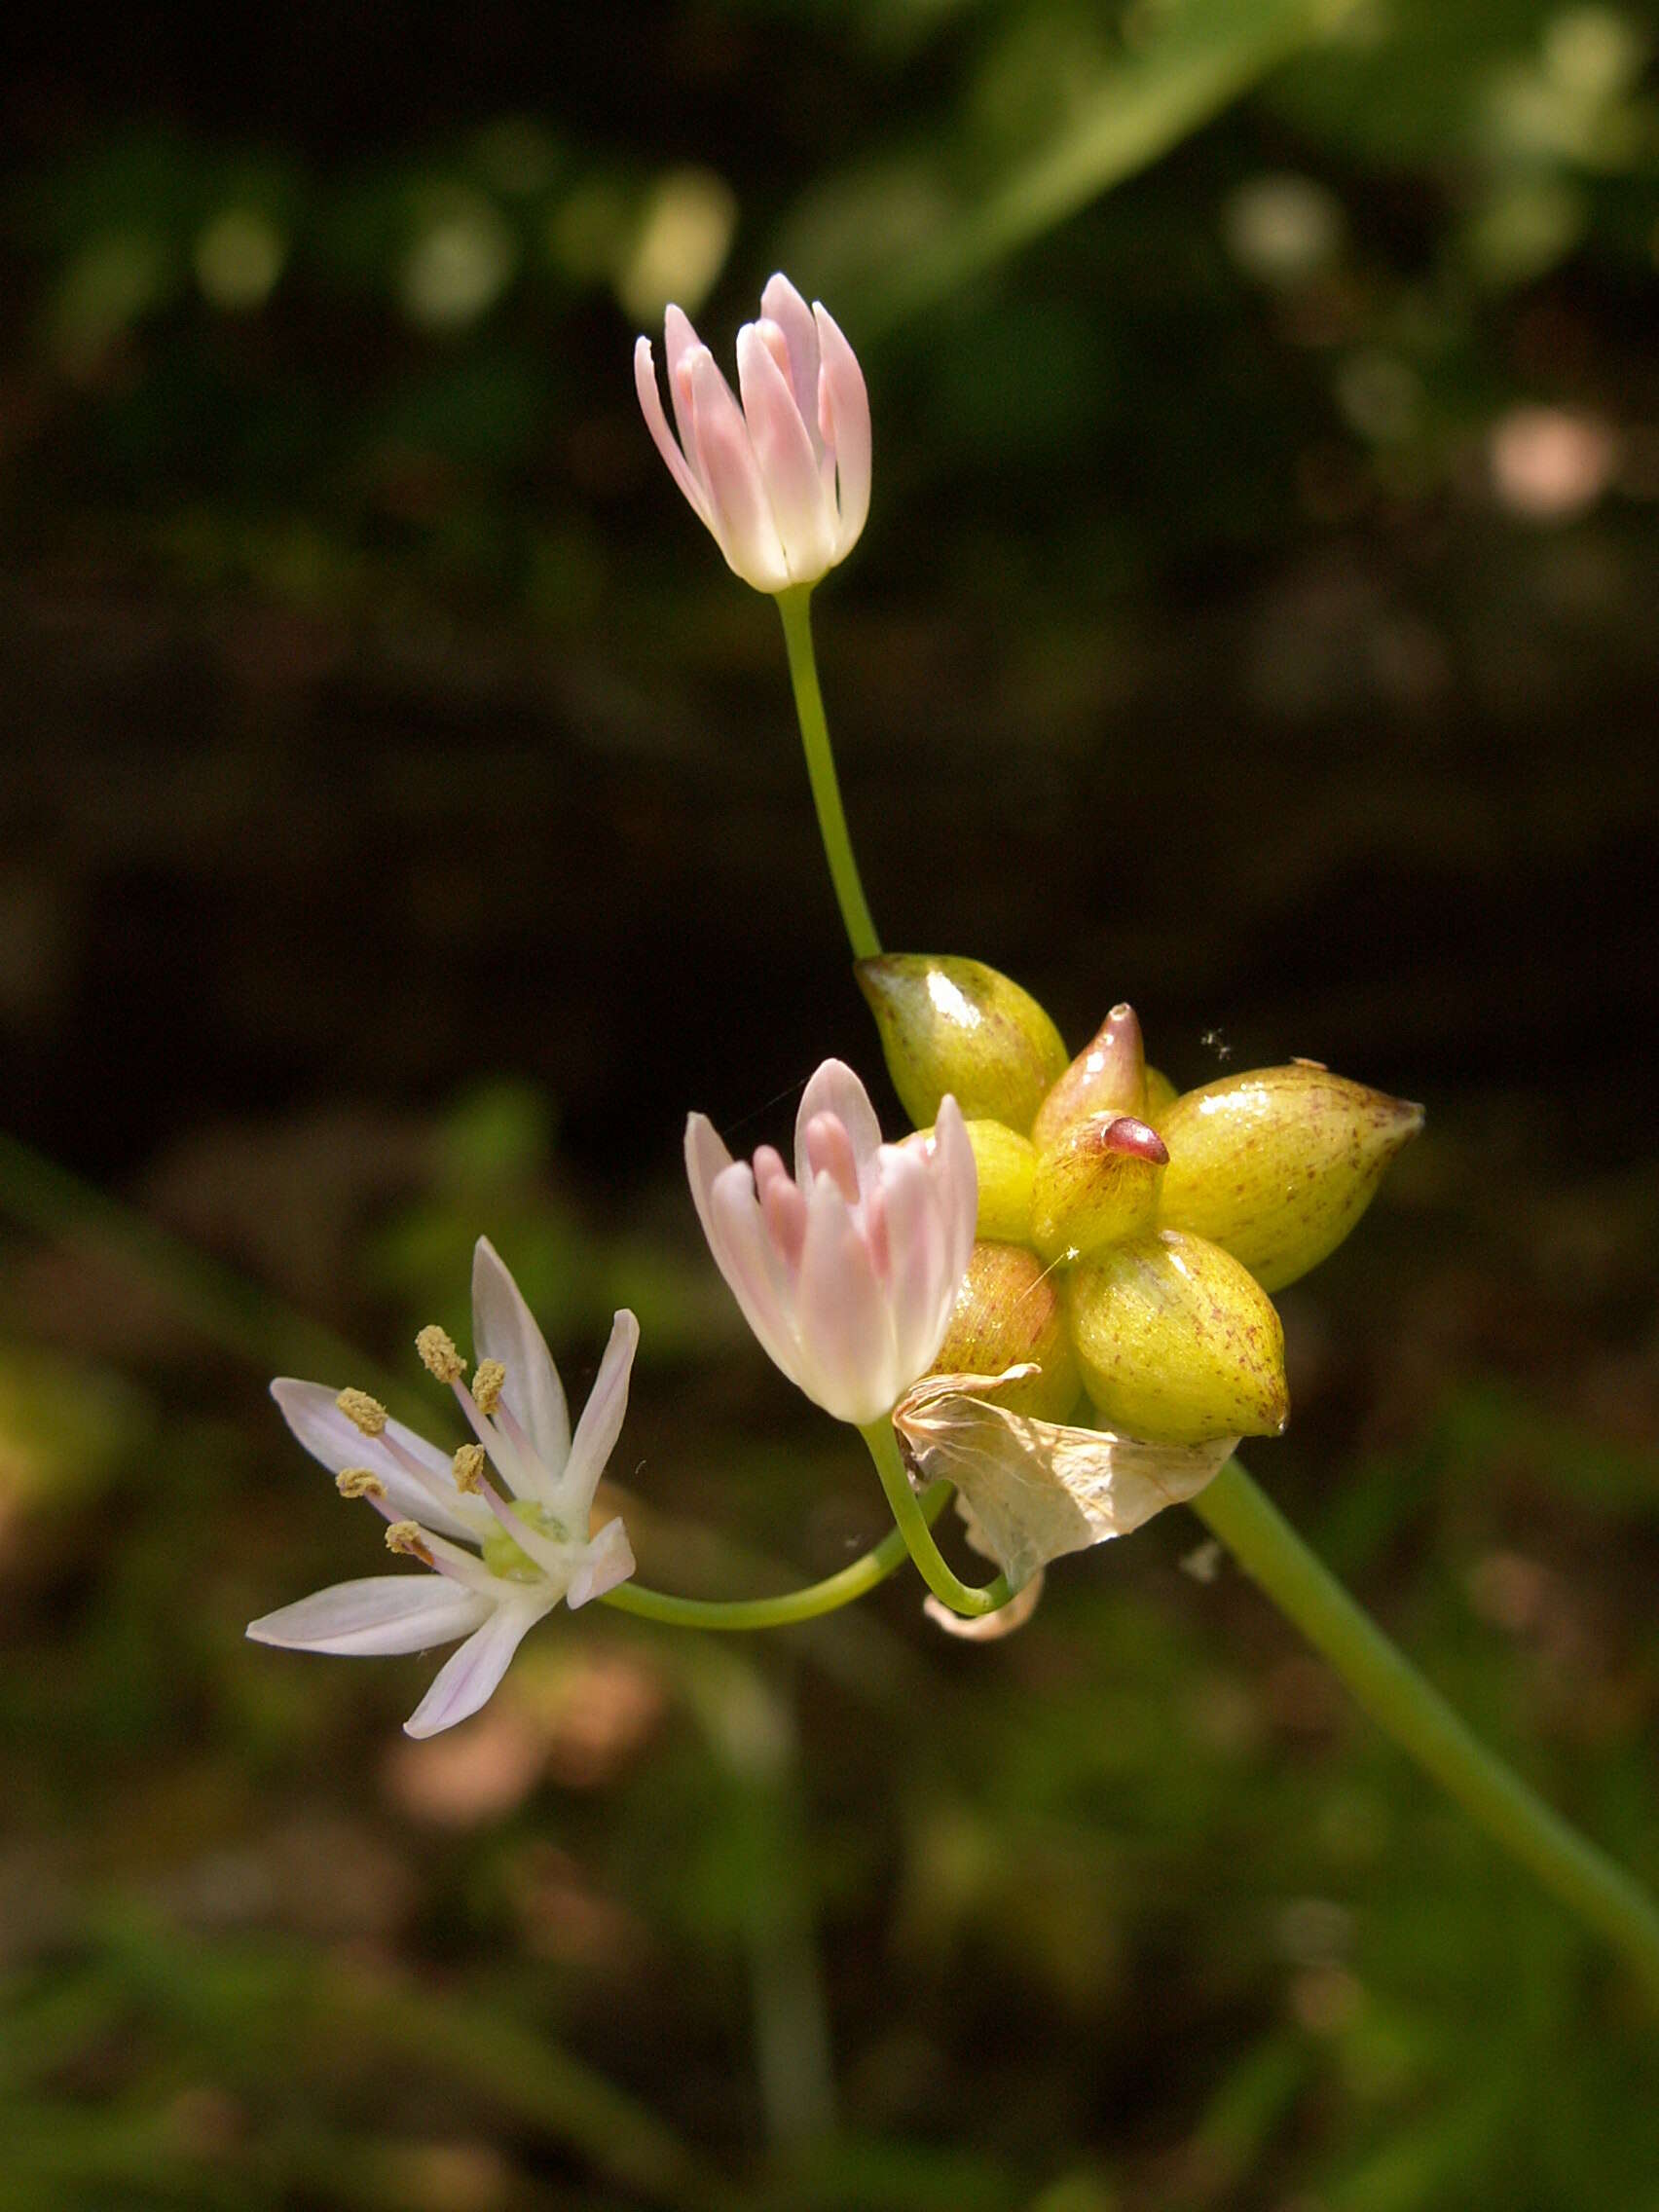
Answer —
843 418
469 1680
921 1286
744 1254
504 1328
782 304
958 1180
834 1089
382 1614
610 1560
789 463
739 1240
310 1411
706 1160
650 406
725 460
680 340
602 1421
845 1329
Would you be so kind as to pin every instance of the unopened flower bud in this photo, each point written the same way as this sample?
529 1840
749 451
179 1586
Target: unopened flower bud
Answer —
1178 1344
958 1026
782 481
1008 1312
1278 1165
1107 1077
1097 1185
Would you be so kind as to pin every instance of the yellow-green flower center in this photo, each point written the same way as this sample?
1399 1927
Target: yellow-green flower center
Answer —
505 1556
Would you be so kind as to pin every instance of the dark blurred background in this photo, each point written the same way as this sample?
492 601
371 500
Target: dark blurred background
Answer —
403 824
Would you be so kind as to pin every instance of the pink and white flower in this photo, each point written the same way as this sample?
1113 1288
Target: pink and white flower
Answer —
847 1272
499 1558
782 481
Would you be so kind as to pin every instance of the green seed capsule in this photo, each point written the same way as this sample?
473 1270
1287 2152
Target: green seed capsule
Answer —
1177 1342
1096 1185
1007 1163
958 1026
1008 1310
1160 1095
1278 1165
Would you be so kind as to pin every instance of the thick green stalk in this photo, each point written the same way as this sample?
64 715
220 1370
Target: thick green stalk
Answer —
913 1520
793 1605
795 608
1419 1719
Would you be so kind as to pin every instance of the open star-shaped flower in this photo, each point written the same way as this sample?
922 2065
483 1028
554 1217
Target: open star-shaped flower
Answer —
502 1525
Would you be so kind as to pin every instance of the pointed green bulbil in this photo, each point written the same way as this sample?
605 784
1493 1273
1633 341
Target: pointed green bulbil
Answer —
1178 1344
1278 1165
958 1026
1107 1077
1096 1184
1006 1163
1009 1310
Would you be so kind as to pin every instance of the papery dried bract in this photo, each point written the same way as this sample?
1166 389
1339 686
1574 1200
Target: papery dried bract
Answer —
1038 1488
1278 1165
988 1628
955 1025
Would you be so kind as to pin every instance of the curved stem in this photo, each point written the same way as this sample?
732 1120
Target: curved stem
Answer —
914 1527
818 1597
795 608
1419 1719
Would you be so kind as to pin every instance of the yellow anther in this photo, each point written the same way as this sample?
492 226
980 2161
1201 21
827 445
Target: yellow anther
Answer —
362 1411
437 1350
487 1384
359 1482
468 1466
409 1539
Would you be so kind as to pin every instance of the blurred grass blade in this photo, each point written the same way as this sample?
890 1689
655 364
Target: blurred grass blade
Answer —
229 1310
1203 55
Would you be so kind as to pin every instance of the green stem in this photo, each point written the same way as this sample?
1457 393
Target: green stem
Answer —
793 1605
795 607
914 1527
1419 1719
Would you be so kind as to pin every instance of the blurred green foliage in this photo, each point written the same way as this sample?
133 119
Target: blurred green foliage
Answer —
1131 1911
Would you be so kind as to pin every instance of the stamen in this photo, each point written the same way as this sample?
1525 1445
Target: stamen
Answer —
359 1482
469 1463
830 1152
784 1208
512 1428
363 1412
438 1355
409 1539
487 1385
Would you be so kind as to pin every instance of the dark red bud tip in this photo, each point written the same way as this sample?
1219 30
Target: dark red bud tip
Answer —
1127 1134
